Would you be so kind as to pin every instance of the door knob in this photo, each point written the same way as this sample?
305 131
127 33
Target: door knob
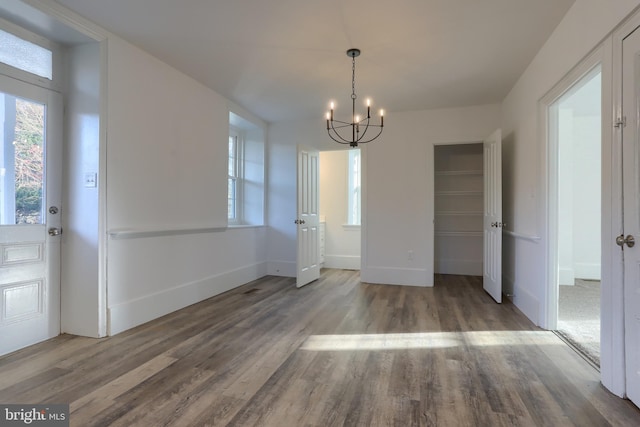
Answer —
54 231
630 241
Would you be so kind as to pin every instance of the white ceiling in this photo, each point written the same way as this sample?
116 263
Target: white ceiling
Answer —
285 59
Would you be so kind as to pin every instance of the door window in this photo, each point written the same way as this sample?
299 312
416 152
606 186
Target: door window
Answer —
22 140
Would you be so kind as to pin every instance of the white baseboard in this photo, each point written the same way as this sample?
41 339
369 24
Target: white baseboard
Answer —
566 276
342 262
589 271
527 303
281 268
459 266
141 310
396 276
508 286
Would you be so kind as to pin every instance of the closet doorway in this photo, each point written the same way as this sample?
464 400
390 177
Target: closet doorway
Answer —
468 211
458 209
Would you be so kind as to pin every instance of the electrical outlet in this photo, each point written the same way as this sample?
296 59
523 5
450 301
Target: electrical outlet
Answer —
90 180
410 255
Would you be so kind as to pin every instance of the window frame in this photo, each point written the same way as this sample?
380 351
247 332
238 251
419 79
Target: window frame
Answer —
354 188
238 177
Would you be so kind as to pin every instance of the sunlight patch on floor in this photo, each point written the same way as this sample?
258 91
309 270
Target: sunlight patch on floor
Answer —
420 340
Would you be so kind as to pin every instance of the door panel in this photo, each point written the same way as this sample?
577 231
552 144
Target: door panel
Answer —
308 219
492 281
30 183
631 210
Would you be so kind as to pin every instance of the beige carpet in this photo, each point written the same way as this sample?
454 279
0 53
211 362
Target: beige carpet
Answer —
579 317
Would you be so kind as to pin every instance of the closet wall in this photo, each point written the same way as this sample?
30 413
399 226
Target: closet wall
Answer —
458 209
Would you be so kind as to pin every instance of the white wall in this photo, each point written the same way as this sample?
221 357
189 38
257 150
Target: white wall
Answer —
399 189
582 29
80 295
397 184
283 139
587 198
342 243
579 195
166 170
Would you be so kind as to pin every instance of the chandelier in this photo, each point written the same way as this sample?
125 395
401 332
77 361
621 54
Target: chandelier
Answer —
358 127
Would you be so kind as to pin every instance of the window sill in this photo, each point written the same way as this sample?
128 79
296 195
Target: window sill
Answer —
231 226
351 227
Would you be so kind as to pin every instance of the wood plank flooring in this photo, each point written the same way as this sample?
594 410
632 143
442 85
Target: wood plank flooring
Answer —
334 353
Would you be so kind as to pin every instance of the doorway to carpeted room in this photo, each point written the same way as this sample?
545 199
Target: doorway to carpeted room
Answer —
579 318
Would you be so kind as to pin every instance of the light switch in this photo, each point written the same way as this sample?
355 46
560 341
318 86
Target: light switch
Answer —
90 180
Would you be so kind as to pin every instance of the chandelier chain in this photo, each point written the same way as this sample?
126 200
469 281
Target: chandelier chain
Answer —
353 78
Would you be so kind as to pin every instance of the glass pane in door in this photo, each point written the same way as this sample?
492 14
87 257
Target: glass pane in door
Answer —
22 142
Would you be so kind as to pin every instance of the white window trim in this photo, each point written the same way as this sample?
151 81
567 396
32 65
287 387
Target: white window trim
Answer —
239 178
350 185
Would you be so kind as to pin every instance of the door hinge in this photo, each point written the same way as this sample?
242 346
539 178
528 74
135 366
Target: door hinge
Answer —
621 122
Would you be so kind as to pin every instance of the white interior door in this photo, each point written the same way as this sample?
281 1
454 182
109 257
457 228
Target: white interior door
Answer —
492 281
30 194
308 219
631 211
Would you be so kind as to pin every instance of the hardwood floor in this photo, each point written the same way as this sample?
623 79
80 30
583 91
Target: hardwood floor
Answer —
336 352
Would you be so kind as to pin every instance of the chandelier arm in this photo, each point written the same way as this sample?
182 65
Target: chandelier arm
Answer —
337 140
337 134
341 122
366 127
375 137
342 127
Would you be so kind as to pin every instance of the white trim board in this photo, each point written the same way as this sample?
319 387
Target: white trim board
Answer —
397 276
132 313
342 262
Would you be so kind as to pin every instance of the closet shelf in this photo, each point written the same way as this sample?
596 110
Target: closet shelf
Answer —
458 173
459 233
459 213
458 193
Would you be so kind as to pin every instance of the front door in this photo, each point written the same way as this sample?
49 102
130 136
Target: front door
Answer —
308 219
631 210
30 211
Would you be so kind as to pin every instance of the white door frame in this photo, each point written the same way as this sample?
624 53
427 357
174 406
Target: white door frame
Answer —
77 23
550 164
612 336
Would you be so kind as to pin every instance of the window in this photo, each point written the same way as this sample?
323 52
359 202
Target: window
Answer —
234 188
353 191
21 160
25 56
246 172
